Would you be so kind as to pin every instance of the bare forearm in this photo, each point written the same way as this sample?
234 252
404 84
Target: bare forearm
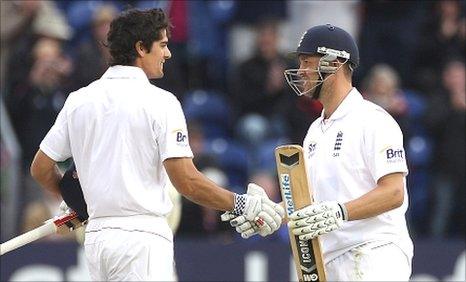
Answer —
384 197
196 187
204 192
48 179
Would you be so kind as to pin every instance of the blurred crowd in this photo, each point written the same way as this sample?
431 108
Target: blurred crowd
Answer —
227 71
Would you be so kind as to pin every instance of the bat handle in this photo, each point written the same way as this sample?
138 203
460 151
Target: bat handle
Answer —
28 237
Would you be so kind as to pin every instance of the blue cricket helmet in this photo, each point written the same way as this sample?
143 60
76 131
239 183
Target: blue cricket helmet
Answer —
323 39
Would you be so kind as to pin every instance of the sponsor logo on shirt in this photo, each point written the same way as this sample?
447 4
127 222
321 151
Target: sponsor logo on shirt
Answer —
338 142
181 137
394 155
311 148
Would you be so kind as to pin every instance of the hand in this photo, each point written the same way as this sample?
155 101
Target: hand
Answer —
317 219
64 207
275 81
71 191
260 215
244 227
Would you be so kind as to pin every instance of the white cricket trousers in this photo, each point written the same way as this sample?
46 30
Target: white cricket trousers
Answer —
115 252
370 262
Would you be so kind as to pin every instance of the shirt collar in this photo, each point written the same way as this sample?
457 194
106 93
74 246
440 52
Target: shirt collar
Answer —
349 103
125 72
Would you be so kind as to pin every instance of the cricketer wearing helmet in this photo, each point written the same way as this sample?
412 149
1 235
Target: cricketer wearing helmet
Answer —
356 165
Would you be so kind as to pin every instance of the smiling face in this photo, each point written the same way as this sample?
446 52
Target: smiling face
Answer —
151 61
306 78
308 71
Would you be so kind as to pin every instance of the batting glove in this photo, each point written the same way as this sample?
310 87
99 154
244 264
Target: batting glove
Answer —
64 207
260 214
317 219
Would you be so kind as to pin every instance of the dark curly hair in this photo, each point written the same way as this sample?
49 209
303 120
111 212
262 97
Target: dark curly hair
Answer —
132 26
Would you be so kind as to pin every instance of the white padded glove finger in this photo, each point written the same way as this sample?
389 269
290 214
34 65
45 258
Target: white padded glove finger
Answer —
279 209
271 217
227 216
265 231
248 233
307 220
244 226
249 228
308 211
314 227
316 233
317 219
64 207
264 216
238 220
274 209
265 220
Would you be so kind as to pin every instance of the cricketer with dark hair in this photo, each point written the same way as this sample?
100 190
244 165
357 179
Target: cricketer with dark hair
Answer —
128 139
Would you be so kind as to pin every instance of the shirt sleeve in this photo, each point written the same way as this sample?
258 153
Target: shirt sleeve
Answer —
173 139
56 144
383 141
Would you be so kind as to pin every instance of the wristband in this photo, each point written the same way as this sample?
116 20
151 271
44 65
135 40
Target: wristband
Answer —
344 211
239 204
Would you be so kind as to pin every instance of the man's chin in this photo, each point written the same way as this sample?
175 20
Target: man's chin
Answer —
156 75
311 93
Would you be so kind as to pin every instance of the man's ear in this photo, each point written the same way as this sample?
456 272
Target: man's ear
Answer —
140 49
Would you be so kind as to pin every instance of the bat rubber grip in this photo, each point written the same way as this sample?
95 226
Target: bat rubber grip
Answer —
47 229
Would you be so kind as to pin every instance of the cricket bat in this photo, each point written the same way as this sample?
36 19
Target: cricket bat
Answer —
61 224
296 194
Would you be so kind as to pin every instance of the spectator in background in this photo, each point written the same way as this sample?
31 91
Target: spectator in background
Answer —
176 69
16 20
259 87
92 56
34 105
446 119
207 42
389 34
383 87
267 180
444 33
46 21
303 14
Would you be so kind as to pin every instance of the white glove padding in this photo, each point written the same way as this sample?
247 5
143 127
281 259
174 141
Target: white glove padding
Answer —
261 215
244 227
64 207
272 211
265 224
317 219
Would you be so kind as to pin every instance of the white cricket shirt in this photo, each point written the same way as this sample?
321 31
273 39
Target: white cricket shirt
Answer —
119 130
346 155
